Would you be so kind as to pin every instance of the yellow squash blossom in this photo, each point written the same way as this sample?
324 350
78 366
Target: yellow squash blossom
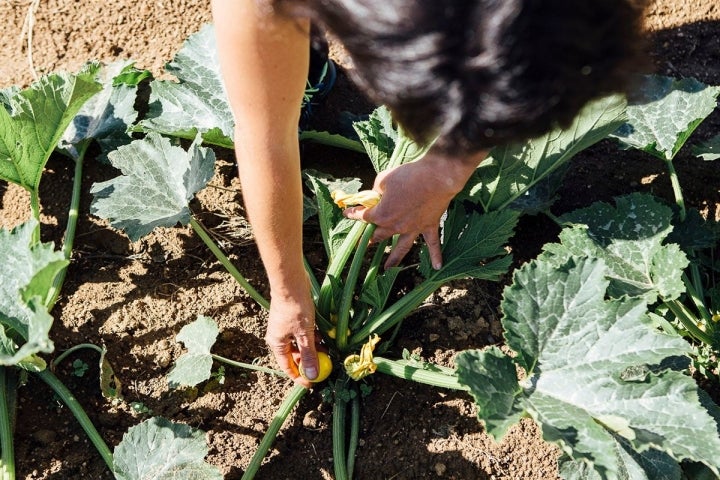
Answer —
366 198
359 366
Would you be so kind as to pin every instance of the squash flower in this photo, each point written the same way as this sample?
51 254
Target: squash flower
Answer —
359 366
366 198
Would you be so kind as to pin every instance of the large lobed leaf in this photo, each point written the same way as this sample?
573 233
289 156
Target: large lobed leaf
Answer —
597 373
197 102
159 449
664 113
28 272
195 365
158 181
511 171
107 116
33 120
629 238
473 245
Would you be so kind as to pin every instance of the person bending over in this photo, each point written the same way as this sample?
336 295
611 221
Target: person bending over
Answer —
470 73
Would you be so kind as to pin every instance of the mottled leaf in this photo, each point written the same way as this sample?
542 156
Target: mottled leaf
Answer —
195 365
197 101
158 449
158 181
629 237
664 112
574 347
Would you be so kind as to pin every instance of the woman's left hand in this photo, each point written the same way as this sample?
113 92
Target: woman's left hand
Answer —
414 197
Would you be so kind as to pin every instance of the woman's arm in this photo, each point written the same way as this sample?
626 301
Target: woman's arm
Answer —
264 63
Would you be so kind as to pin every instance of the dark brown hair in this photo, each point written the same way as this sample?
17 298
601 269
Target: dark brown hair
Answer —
478 73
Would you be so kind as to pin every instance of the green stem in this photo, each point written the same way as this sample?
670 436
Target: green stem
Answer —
349 288
205 236
7 452
687 319
69 399
354 433
71 226
437 377
331 140
338 433
695 296
249 366
71 350
336 267
297 392
314 285
35 209
396 312
677 190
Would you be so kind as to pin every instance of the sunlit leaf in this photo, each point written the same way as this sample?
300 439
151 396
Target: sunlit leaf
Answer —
576 348
158 181
158 449
195 365
664 112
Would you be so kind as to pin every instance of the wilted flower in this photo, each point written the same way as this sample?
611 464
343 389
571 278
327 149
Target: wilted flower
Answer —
366 198
359 366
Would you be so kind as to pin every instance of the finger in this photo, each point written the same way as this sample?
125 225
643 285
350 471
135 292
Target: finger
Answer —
357 213
401 248
308 355
282 351
432 240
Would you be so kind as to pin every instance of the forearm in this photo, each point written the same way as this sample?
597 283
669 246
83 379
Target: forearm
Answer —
264 60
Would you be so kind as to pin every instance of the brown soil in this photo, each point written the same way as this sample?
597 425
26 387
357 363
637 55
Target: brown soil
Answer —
134 298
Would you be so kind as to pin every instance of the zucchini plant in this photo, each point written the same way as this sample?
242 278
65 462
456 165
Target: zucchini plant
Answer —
66 113
582 319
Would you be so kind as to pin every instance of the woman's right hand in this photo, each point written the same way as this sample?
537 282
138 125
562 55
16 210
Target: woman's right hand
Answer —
291 336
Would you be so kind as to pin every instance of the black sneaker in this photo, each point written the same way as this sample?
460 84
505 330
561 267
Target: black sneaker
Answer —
321 79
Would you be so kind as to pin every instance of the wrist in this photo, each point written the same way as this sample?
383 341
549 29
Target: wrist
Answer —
455 170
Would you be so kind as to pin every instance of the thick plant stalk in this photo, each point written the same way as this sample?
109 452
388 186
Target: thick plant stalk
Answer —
354 434
441 377
202 233
297 392
71 226
349 289
338 431
399 310
69 399
688 321
7 452
336 267
677 190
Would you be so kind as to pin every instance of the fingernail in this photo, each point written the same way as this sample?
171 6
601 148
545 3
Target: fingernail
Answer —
311 373
437 266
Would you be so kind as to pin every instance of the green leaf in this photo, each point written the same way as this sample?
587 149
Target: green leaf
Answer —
195 366
664 113
158 449
197 101
158 181
378 136
33 121
629 238
107 116
377 292
575 348
510 171
648 465
333 226
468 241
28 273
709 150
